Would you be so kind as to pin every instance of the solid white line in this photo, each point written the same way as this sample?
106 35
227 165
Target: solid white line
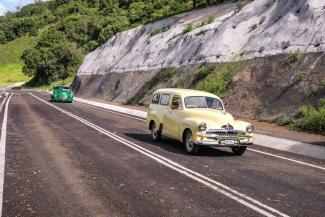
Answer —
261 152
3 150
106 110
288 159
227 191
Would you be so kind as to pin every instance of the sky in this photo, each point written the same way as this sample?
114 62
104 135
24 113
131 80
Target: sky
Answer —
6 5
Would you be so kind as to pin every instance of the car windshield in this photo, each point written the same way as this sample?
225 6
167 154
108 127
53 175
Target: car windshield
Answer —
61 88
203 102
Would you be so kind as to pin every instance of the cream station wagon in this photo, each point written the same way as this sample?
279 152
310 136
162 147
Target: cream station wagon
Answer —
196 118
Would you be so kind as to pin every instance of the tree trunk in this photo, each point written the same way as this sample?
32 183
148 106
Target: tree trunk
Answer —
194 3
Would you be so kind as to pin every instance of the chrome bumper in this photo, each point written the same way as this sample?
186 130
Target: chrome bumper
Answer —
221 144
218 138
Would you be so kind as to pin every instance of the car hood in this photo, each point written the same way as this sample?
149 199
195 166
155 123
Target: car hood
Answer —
215 119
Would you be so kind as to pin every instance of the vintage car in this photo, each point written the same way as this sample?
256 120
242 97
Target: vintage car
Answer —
62 94
196 118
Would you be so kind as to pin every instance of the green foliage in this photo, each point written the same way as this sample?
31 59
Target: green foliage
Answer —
53 58
155 32
311 118
300 75
219 80
210 19
161 76
241 4
294 57
189 28
284 120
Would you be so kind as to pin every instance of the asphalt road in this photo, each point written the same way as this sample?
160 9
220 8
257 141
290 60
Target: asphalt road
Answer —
67 160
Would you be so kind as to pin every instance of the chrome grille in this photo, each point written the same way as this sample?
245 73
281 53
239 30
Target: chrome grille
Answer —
225 134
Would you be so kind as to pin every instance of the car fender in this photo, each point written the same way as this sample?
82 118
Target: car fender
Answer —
188 123
241 125
152 115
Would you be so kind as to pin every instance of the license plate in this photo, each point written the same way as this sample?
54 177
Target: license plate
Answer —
230 142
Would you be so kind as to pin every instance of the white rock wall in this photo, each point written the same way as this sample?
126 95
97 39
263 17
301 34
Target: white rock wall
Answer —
263 27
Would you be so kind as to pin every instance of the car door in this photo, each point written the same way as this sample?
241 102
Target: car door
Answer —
173 116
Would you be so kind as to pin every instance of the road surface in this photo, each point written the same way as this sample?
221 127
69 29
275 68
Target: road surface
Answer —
65 160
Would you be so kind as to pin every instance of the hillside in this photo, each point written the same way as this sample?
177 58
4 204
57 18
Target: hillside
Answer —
10 62
266 60
73 28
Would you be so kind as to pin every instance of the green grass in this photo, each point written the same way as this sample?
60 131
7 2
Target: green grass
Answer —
217 79
10 62
11 73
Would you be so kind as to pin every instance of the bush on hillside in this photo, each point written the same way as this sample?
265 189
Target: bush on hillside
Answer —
218 81
311 118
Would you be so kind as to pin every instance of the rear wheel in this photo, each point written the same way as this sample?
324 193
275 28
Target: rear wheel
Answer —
155 132
239 151
190 146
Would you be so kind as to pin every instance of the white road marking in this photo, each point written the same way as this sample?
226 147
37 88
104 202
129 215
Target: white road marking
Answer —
288 159
254 150
106 110
217 186
3 149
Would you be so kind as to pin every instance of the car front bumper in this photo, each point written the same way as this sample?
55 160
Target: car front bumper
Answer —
227 139
222 144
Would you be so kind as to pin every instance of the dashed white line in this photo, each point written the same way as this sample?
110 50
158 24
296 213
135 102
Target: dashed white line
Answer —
3 149
216 186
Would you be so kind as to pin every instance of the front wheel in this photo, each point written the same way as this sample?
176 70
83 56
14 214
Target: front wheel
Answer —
239 151
155 133
190 146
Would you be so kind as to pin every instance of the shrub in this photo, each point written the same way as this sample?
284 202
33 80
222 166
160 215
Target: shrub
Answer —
161 76
188 28
300 75
283 120
203 71
219 80
294 57
155 32
311 118
210 19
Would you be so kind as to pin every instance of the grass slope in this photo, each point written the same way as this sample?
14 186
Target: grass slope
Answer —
10 62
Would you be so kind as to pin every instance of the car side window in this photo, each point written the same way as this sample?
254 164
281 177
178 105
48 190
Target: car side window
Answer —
155 98
176 103
164 99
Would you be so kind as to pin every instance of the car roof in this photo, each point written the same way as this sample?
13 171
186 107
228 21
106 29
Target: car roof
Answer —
185 92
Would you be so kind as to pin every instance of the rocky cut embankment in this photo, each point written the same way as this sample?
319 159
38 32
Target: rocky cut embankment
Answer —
281 44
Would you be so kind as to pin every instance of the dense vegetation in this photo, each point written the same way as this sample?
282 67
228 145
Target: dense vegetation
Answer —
311 118
75 27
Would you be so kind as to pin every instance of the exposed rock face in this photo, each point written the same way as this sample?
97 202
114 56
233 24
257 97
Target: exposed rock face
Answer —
264 34
262 28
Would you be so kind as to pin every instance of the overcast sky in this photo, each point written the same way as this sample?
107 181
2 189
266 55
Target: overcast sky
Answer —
6 5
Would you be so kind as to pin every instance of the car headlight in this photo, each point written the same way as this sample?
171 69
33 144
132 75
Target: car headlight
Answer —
202 126
250 128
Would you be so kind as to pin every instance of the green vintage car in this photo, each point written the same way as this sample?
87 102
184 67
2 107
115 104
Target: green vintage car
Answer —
62 94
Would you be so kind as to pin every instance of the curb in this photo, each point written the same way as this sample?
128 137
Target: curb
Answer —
291 146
